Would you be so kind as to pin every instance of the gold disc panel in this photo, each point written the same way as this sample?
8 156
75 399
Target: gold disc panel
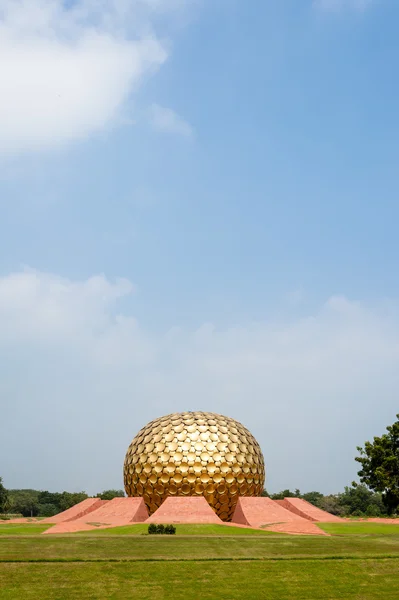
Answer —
194 453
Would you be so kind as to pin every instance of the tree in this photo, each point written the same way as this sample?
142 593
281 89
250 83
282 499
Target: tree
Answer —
313 497
332 505
47 510
380 466
24 502
286 494
46 498
110 494
32 503
4 498
360 500
68 499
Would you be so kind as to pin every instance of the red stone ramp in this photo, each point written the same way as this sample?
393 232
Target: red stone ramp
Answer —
112 513
267 513
256 512
304 509
76 512
181 509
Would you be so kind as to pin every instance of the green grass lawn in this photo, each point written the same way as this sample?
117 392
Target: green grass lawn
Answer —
136 548
360 528
22 529
142 528
356 564
285 580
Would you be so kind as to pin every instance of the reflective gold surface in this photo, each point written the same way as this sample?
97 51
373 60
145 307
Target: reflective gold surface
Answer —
194 453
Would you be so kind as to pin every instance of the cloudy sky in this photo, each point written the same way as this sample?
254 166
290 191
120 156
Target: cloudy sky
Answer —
198 212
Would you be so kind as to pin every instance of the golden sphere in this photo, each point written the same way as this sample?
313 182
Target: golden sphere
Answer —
194 453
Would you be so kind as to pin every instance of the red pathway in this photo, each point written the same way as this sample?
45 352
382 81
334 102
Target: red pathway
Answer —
384 520
189 509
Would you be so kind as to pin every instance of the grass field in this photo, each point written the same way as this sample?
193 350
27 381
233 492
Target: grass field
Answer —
23 529
360 528
141 529
358 561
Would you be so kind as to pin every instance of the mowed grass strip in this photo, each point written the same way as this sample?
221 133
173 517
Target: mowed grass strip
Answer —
284 580
207 529
73 547
349 528
360 528
22 529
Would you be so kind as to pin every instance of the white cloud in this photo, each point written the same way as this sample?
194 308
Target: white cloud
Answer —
339 5
165 120
78 378
44 307
66 73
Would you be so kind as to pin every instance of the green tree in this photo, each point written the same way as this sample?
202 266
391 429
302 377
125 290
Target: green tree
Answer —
4 498
286 494
68 499
332 505
110 494
359 500
313 497
47 498
43 503
47 510
380 466
24 502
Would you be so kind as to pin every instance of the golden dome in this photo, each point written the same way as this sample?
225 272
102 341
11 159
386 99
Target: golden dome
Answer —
194 453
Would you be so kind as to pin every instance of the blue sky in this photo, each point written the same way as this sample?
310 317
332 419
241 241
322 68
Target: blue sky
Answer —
199 211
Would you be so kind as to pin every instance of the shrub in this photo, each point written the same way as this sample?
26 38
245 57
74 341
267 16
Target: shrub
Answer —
152 529
373 511
161 529
170 529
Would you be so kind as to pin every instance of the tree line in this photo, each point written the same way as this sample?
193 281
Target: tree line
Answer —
39 503
355 501
377 494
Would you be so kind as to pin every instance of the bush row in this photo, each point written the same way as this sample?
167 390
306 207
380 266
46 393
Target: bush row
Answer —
154 529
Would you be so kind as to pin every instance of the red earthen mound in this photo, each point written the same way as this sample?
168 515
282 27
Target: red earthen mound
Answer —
189 509
261 512
304 509
112 513
77 511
